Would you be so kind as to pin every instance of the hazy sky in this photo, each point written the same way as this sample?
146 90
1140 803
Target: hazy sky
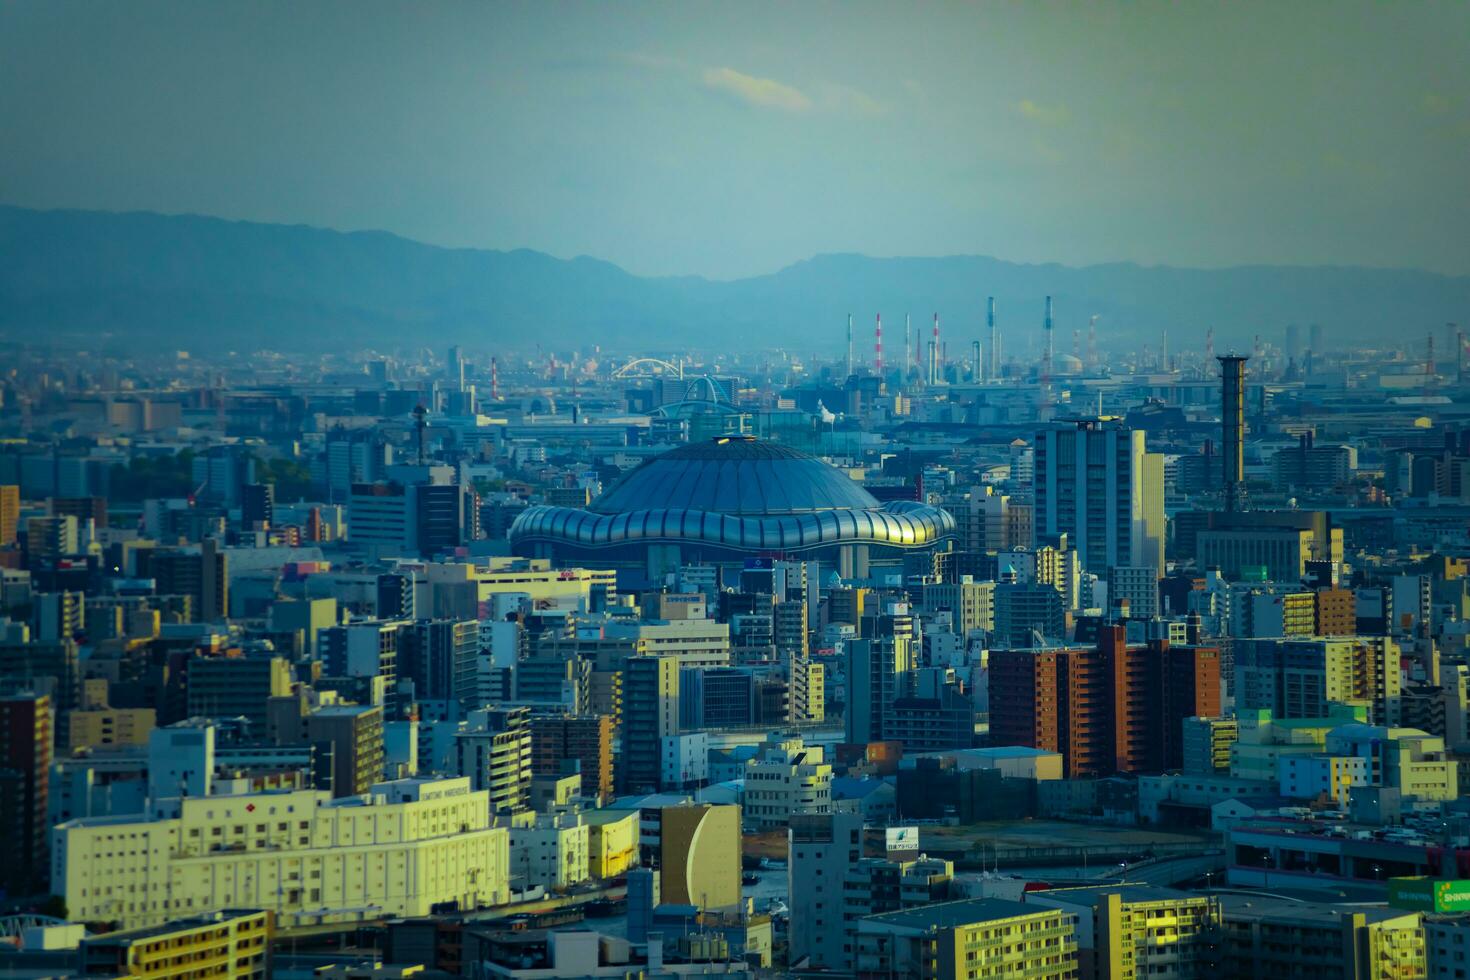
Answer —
732 139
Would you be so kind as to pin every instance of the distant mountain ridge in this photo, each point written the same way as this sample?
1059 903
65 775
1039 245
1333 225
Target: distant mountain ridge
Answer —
90 277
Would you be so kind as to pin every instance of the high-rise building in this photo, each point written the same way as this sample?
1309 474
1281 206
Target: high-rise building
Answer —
355 733
439 655
971 605
650 698
9 513
236 687
1301 678
49 539
1096 484
58 616
362 649
257 506
494 750
1112 708
26 740
201 573
584 739
1207 743
877 673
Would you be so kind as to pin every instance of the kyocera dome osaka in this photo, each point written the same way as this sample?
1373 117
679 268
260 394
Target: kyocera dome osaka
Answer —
727 500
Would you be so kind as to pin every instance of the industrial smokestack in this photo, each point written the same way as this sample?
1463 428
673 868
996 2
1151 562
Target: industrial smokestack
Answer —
1046 356
878 347
934 353
907 349
994 347
1232 429
975 362
849 345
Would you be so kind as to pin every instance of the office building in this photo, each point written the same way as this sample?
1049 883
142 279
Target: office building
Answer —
820 849
1096 484
401 850
1028 615
785 779
439 655
237 687
650 698
362 649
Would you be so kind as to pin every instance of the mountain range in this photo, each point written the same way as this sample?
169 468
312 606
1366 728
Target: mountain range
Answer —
92 278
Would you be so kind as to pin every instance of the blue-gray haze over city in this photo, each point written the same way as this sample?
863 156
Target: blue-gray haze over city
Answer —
954 491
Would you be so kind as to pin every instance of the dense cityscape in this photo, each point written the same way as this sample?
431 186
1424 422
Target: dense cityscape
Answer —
826 490
589 665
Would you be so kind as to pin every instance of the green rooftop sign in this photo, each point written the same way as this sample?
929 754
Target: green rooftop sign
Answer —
1429 894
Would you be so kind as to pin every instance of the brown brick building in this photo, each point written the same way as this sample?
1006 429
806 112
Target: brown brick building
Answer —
1112 708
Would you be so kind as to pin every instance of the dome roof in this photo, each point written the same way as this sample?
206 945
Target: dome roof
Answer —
735 475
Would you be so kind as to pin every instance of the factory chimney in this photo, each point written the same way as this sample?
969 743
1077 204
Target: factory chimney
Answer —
878 347
849 345
994 347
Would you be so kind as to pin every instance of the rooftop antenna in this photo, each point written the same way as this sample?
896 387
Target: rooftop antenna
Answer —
994 346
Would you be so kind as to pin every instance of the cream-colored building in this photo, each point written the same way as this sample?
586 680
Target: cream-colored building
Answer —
786 778
612 842
235 945
548 849
109 726
1406 759
398 850
968 940
1133 932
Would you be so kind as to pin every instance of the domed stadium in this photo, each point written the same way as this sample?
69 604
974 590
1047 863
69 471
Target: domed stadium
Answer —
727 500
